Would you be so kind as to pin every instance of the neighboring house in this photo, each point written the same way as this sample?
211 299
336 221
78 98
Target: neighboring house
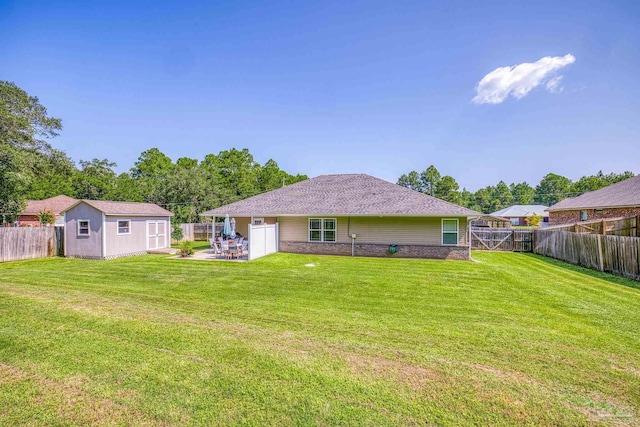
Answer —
29 217
490 221
97 229
518 214
326 214
621 199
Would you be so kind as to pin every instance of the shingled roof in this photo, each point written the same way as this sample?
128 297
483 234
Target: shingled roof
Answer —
55 204
353 194
125 208
621 194
522 211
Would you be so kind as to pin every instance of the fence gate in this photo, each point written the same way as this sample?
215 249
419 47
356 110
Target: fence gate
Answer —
59 241
501 239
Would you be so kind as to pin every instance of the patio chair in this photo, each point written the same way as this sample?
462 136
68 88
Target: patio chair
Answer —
224 248
233 249
215 246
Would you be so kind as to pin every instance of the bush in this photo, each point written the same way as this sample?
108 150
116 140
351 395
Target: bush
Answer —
176 232
186 249
534 220
46 218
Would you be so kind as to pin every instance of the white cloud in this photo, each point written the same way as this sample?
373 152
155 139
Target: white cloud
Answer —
519 80
553 85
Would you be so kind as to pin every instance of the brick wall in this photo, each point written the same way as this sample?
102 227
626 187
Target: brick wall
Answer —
29 220
376 250
570 217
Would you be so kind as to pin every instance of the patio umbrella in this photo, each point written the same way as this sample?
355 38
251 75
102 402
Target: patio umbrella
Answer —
226 230
233 228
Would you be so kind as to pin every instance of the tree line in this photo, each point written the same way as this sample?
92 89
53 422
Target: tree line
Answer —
549 191
31 168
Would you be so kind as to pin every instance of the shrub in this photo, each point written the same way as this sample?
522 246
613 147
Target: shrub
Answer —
46 217
176 232
186 249
534 220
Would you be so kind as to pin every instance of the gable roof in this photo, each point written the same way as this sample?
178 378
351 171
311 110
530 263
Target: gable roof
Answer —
621 194
55 204
522 211
124 208
349 194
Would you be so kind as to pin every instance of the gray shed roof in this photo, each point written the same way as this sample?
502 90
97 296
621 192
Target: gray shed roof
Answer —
522 211
124 208
621 194
349 194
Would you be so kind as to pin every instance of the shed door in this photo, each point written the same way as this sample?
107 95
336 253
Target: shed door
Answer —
152 233
162 234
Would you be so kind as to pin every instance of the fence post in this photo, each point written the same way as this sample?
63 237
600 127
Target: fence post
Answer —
604 227
600 256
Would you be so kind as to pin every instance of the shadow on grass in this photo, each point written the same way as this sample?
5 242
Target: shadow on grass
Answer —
612 278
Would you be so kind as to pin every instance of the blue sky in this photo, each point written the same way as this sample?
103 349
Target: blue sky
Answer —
338 87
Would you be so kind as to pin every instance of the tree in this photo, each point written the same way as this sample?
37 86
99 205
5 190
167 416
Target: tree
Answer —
483 200
95 180
411 180
501 197
429 180
523 193
552 188
24 127
53 175
448 189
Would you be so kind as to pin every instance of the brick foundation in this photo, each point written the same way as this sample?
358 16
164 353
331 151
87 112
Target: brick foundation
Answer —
376 250
570 217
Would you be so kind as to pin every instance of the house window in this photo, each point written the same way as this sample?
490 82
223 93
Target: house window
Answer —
83 227
583 215
323 229
124 226
449 231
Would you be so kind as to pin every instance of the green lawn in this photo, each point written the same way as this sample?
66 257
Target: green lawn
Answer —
513 339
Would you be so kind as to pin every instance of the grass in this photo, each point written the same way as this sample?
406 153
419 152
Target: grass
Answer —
514 339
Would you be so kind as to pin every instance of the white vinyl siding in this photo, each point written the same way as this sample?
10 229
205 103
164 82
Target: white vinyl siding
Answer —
323 229
83 227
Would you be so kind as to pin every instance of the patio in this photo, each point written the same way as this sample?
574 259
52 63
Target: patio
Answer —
210 255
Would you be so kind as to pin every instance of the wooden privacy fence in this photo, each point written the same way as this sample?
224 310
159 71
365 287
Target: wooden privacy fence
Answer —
27 242
619 255
501 239
199 231
613 227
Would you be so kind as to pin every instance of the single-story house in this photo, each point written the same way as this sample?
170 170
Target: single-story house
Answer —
490 221
335 214
518 214
621 199
98 229
57 205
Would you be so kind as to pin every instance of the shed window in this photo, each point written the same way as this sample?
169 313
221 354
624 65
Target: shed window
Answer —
124 226
449 231
323 229
583 215
83 227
